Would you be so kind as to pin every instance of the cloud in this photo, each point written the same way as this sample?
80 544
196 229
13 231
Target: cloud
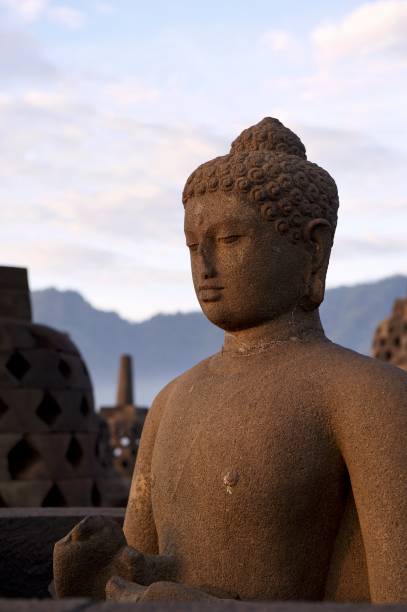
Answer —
135 286
106 188
60 260
376 245
32 10
373 28
130 92
21 58
29 10
279 41
47 101
105 8
96 173
67 16
96 154
358 62
369 174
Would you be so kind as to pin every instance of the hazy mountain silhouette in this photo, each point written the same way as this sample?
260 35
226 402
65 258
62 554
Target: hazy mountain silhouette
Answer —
166 345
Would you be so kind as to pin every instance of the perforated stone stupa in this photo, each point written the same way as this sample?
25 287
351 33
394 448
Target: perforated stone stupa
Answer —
48 427
390 339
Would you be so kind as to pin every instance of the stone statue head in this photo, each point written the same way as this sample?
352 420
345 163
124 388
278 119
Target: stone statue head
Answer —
259 223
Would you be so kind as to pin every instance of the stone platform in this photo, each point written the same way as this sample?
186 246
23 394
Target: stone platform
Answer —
83 605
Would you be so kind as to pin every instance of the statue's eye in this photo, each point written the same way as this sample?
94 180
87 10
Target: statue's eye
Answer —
229 239
193 246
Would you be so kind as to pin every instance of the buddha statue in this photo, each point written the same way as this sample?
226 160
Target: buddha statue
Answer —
277 468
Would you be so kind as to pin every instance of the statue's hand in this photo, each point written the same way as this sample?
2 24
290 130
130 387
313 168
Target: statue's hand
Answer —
82 559
118 589
94 551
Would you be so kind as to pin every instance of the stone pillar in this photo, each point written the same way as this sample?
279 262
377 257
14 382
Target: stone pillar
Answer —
125 383
125 421
15 300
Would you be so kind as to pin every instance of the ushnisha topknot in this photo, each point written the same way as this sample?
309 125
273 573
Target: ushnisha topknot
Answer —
269 135
267 165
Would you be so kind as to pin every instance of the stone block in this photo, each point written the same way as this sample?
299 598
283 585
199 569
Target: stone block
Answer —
53 448
77 411
70 367
7 442
6 378
24 494
81 453
20 416
15 335
77 492
43 371
48 338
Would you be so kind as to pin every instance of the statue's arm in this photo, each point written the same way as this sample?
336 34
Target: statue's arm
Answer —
372 431
159 572
139 527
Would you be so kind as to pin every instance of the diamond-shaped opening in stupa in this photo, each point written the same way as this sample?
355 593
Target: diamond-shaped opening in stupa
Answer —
54 498
18 365
74 453
96 498
21 458
64 368
3 407
48 410
85 408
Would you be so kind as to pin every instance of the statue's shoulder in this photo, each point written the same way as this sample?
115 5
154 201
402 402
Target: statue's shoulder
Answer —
343 362
184 381
361 388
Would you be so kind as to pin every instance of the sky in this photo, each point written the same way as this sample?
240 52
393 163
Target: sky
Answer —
106 107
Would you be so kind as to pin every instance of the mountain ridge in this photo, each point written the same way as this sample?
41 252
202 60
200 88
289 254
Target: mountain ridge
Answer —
165 345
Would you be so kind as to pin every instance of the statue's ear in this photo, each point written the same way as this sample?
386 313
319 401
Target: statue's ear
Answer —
318 236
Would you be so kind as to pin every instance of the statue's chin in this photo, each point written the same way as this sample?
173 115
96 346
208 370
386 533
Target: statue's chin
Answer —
216 313
226 318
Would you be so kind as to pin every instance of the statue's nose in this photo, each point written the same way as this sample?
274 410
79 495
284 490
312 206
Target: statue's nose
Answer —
208 269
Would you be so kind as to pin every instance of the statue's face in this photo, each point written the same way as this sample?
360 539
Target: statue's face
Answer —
244 272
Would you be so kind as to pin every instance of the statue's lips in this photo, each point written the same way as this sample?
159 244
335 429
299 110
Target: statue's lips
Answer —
210 293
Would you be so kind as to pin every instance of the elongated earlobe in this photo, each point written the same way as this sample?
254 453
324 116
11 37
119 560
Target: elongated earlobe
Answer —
318 234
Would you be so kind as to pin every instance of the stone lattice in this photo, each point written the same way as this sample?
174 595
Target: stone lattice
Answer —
390 339
48 427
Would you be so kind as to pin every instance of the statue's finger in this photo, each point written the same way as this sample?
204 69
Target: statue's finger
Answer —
131 565
119 589
86 528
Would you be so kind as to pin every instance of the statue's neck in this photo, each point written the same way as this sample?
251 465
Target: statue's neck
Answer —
293 326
